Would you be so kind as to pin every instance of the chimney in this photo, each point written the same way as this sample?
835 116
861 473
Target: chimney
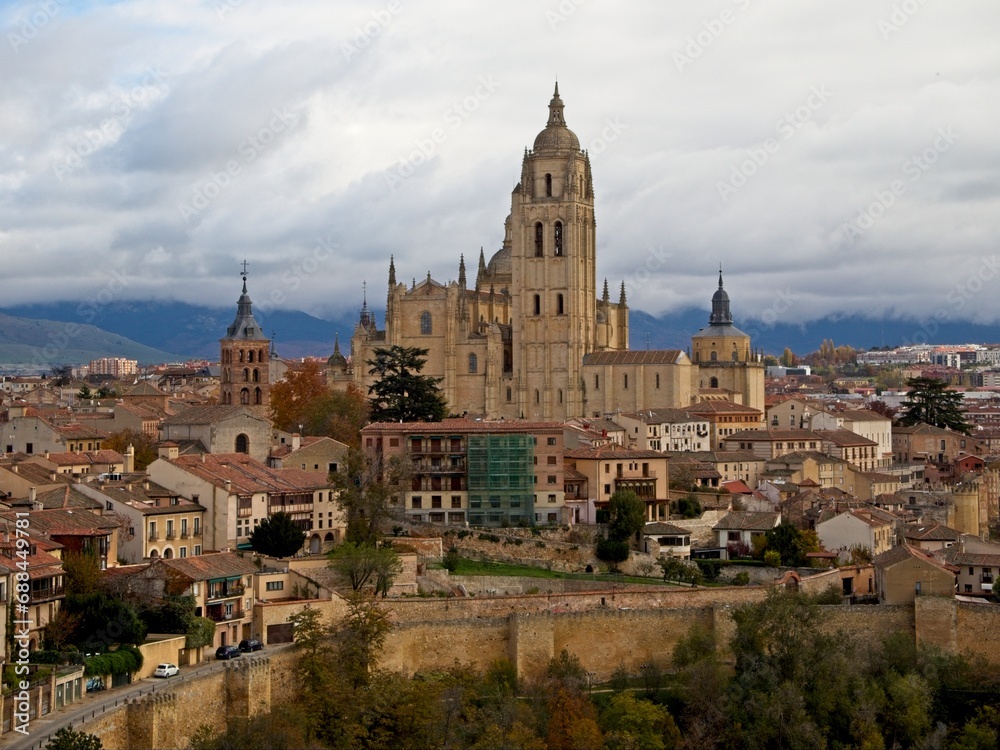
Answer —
229 486
145 484
46 454
296 441
32 495
14 468
130 459
53 476
168 452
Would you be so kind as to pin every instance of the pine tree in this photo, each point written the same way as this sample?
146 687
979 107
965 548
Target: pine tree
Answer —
400 393
929 401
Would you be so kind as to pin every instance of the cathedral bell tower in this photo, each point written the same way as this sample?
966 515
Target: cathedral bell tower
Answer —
245 358
553 265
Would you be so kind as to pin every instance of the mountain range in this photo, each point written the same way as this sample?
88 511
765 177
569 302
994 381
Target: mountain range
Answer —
161 331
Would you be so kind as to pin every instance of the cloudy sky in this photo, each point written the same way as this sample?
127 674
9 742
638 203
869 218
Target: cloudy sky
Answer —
834 157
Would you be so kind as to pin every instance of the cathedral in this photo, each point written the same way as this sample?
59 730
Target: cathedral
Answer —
531 339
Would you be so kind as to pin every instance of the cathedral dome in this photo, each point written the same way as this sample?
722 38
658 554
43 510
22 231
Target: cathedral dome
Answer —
556 136
499 266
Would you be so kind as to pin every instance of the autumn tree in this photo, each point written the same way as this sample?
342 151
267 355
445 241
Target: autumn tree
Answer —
400 393
366 562
369 487
303 403
929 401
293 398
82 572
142 443
881 407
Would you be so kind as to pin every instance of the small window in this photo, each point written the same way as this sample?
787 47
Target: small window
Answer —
597 382
473 363
426 327
551 441
626 382
538 397
508 394
539 234
559 305
538 305
417 502
657 380
548 186
559 238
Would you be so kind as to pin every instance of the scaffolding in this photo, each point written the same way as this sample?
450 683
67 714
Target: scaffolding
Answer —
501 480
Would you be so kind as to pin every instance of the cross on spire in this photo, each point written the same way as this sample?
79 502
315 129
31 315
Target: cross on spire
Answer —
244 272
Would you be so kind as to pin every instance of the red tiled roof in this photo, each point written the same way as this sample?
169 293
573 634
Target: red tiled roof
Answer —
461 426
211 565
635 357
248 476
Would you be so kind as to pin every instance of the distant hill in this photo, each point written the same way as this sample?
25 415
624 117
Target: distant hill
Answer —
193 331
48 342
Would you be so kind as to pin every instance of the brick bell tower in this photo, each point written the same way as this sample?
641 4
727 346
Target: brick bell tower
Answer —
245 358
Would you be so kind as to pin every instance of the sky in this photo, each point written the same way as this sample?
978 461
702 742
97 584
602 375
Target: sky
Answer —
834 158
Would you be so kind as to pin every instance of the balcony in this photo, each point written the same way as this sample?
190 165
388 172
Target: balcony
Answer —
222 616
154 536
229 592
184 533
171 535
45 594
440 469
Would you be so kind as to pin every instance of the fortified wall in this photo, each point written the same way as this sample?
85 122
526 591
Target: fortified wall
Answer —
605 630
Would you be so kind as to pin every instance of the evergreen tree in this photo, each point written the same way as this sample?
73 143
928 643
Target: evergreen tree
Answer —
400 393
277 536
930 401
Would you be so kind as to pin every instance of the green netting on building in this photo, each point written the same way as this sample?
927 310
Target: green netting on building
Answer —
501 479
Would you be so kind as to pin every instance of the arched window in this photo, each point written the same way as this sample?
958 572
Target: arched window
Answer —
473 363
538 397
735 355
258 396
242 354
713 383
256 375
560 395
508 394
168 553
538 240
250 356
425 324
225 375
538 305
559 304
558 238
242 443
153 554
548 186
245 396
714 357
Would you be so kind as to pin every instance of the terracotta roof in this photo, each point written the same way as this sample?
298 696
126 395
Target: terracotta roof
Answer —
211 414
746 521
136 495
67 497
461 426
773 435
737 487
39 475
843 437
903 552
722 407
972 558
83 458
663 416
611 452
210 566
572 475
933 532
637 357
248 476
659 527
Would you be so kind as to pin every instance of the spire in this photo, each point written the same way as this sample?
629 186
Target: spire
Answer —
244 326
721 314
336 343
556 109
481 273
392 272
461 271
606 298
621 301
367 318
720 276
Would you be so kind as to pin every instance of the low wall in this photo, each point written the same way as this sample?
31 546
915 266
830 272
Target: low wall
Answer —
157 650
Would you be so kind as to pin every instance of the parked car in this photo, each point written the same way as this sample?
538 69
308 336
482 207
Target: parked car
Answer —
227 652
166 670
250 644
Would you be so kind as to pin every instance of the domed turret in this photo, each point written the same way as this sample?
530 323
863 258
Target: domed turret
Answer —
721 314
556 136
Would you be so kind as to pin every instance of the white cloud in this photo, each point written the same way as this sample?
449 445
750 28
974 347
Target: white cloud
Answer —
146 105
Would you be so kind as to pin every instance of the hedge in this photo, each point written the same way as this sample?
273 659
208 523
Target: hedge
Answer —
121 662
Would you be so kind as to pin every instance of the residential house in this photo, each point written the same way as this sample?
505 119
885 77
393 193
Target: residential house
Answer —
726 418
930 537
309 453
42 557
924 443
485 473
661 539
857 450
238 492
864 422
27 431
665 430
771 443
18 479
609 470
856 529
73 529
978 566
729 465
592 433
791 414
736 532
903 573
79 463
153 521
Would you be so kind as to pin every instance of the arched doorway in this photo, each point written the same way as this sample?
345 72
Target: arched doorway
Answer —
314 543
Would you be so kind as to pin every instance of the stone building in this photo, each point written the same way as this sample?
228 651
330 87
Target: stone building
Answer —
530 339
245 359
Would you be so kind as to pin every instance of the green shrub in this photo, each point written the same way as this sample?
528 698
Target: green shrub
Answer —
741 579
121 662
46 656
451 559
612 551
772 558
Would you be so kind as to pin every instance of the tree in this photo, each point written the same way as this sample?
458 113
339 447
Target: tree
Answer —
82 573
361 563
71 739
360 637
85 394
400 393
628 515
930 401
142 443
293 398
277 536
881 407
62 374
787 358
103 622
631 723
303 402
368 491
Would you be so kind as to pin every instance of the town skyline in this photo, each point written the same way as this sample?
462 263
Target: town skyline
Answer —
175 144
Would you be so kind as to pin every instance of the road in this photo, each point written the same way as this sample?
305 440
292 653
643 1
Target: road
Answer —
76 715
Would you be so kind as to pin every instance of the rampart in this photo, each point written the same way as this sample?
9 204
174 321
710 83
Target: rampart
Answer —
605 630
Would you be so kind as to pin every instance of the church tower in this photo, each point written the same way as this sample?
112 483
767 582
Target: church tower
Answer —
553 267
724 358
245 358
